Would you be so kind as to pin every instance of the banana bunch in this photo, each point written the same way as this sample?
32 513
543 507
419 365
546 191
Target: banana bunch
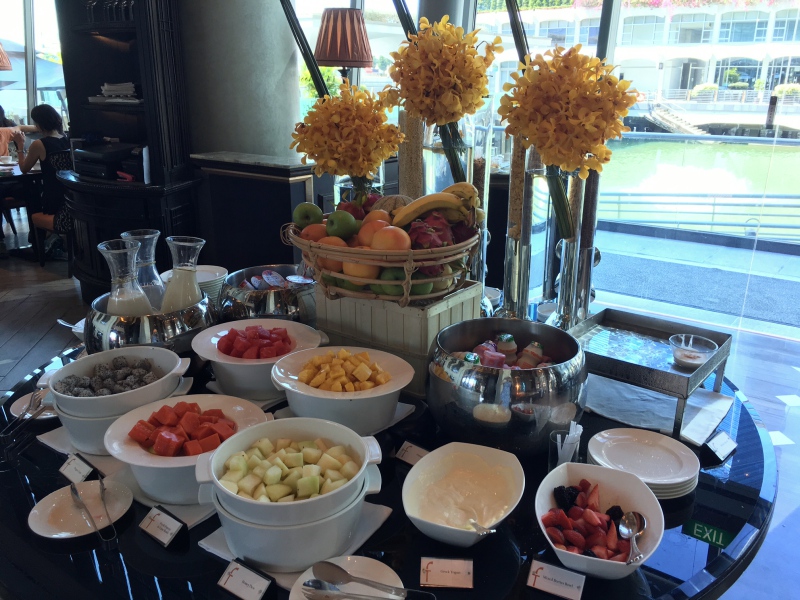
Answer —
467 192
440 201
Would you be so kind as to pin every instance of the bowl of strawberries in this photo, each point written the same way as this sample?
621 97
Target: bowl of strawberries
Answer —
579 507
242 353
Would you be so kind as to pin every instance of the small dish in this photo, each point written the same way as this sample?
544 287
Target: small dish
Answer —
691 351
360 566
57 517
20 403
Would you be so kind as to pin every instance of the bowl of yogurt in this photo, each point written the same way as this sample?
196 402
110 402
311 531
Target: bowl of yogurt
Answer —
691 351
458 485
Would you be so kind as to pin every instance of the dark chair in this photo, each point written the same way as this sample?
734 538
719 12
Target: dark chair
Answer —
59 161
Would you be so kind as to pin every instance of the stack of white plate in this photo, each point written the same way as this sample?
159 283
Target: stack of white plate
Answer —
210 278
668 467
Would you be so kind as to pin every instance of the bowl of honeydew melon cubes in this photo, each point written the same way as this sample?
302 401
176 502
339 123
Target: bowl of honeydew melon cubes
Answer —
288 471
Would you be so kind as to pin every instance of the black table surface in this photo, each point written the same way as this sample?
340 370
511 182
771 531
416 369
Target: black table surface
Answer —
734 499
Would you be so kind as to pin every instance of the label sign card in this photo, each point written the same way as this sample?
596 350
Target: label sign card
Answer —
243 582
410 453
160 525
555 580
445 572
76 469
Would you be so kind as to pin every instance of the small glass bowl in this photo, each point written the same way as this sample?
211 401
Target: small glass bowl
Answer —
691 351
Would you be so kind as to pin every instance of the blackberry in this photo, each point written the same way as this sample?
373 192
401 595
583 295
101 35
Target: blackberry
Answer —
615 512
565 496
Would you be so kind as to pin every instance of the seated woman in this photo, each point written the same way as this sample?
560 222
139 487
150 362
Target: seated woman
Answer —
54 215
7 131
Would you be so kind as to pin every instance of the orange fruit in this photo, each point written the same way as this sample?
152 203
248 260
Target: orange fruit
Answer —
391 238
368 230
359 270
328 263
377 215
314 232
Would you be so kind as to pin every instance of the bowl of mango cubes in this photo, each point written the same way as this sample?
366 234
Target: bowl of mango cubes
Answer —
356 387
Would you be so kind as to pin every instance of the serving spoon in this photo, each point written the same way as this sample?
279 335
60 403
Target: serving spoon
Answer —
329 572
480 529
631 526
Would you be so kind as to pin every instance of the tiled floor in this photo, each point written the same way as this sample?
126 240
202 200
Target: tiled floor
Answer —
766 367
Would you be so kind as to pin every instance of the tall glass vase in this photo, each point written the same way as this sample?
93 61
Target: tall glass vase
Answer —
357 189
527 188
437 141
565 315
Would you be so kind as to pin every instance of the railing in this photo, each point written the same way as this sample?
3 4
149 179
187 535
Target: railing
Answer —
717 95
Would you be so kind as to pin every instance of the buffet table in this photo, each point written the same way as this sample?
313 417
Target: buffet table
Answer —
731 507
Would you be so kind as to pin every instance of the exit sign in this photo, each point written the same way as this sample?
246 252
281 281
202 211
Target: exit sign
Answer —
707 533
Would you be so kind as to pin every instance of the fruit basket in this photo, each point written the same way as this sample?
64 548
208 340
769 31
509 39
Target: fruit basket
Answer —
407 282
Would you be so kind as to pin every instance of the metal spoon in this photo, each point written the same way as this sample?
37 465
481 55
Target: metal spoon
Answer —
314 589
631 526
480 529
333 573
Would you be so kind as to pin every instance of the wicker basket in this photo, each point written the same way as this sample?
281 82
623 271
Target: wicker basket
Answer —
409 260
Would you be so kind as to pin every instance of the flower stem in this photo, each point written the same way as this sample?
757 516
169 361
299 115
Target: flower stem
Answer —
453 147
560 202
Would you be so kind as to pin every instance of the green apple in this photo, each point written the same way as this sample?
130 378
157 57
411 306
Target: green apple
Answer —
348 285
306 213
341 224
376 288
421 289
392 274
329 279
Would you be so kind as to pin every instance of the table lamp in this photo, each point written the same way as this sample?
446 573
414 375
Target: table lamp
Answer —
342 40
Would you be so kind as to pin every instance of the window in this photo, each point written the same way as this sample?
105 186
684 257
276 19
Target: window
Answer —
13 96
745 26
691 29
645 30
589 30
736 71
786 26
562 33
49 72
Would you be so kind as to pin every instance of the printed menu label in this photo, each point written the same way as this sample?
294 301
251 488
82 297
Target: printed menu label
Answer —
160 525
243 582
555 580
76 469
410 453
444 572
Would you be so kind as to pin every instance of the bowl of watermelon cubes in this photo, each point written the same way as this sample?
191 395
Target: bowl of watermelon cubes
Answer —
242 353
579 506
162 440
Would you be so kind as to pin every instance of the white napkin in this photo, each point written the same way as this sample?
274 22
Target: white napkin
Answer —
401 412
639 407
372 517
213 387
115 469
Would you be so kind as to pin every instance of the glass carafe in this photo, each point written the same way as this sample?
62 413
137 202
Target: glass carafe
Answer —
182 288
146 271
127 299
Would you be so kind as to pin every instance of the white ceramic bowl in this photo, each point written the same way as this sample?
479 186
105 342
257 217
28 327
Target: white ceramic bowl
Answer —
483 464
171 479
250 378
164 362
365 412
616 488
85 433
211 467
289 548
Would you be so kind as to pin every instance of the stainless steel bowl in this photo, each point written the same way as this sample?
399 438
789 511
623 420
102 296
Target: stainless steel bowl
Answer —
171 330
295 303
514 410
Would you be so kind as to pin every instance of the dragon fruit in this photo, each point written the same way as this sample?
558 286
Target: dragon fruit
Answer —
423 236
462 232
441 226
370 201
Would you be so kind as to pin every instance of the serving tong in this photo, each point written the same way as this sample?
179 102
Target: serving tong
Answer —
78 501
10 439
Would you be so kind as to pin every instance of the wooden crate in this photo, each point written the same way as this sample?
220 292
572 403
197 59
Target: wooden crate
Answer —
407 331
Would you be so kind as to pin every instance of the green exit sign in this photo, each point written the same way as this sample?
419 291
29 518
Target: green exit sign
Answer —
708 533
